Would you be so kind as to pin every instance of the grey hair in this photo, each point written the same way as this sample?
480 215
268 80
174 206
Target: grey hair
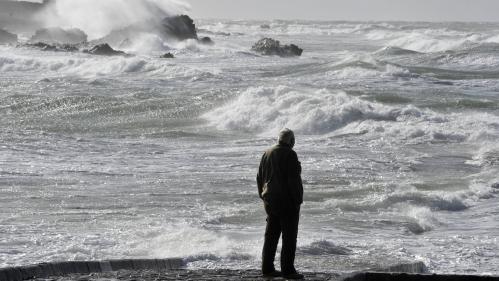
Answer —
287 137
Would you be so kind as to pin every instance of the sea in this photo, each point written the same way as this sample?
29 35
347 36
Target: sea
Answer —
396 124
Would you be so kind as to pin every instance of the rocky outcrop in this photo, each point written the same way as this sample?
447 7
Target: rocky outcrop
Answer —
269 47
167 56
104 50
59 36
180 27
54 47
7 37
206 40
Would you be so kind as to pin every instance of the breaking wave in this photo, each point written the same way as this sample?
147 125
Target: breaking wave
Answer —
88 66
263 109
323 247
108 15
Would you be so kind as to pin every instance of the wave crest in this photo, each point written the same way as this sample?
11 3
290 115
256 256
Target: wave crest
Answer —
264 109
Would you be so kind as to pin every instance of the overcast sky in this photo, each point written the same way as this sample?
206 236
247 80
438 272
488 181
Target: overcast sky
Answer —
410 10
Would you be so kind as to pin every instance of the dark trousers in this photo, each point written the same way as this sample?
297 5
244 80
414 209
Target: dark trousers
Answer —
285 222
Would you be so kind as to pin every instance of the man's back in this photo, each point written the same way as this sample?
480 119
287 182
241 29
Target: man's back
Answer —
281 161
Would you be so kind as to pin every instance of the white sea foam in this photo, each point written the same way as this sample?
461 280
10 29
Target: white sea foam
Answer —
323 247
89 66
266 110
421 219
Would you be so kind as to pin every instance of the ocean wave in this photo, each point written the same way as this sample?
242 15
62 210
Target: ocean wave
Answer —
395 51
486 156
265 110
374 70
323 247
88 66
435 201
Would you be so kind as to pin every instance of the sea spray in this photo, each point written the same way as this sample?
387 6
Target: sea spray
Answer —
97 18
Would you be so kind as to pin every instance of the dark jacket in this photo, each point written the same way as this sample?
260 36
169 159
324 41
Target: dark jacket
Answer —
282 161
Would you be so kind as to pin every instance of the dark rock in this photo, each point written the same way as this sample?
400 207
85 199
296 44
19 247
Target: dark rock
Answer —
80 267
59 35
269 46
13 274
386 276
265 26
175 263
54 47
206 40
3 274
495 185
181 27
167 56
177 27
94 266
163 264
7 37
104 50
29 272
121 264
46 269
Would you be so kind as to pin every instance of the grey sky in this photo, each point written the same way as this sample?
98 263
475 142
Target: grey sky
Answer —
410 10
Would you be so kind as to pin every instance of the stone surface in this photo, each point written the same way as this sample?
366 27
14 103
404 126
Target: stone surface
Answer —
58 35
53 47
206 40
94 266
7 37
181 27
269 47
104 50
202 275
167 56
379 276
14 274
28 272
121 264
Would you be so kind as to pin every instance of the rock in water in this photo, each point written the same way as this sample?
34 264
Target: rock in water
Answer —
269 46
54 47
206 40
7 37
181 27
167 56
105 50
57 35
265 26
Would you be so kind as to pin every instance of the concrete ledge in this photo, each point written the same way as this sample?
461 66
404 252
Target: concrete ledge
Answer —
44 270
390 276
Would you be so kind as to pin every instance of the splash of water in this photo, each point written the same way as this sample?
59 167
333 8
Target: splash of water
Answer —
97 18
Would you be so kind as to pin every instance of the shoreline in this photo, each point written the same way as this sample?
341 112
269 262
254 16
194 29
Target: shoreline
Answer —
173 269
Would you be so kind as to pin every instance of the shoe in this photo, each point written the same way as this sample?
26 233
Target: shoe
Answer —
293 276
272 274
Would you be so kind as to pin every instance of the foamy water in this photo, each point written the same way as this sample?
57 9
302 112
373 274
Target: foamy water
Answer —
126 157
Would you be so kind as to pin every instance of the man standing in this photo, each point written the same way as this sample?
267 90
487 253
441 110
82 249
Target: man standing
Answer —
280 187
